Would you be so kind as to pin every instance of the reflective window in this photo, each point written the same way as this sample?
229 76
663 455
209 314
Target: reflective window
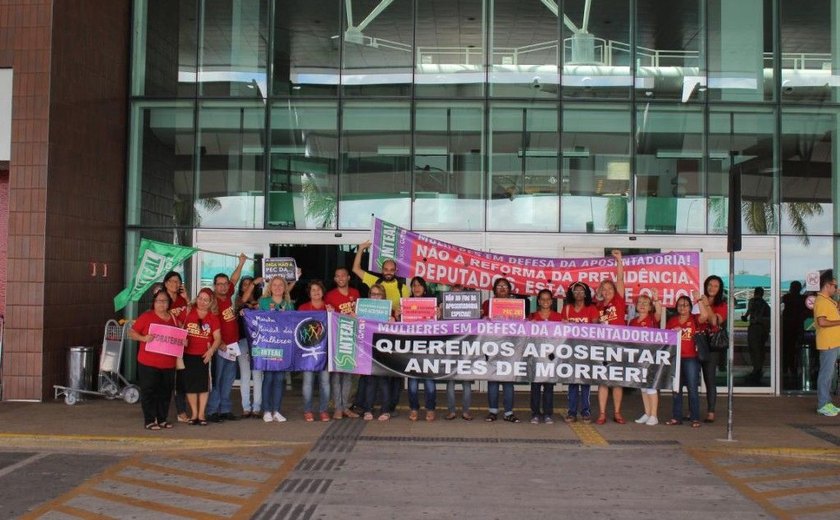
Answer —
740 50
306 49
596 168
596 49
164 48
303 165
809 70
161 160
741 141
233 57
448 166
669 60
230 178
378 52
670 191
526 56
449 50
376 164
807 151
523 166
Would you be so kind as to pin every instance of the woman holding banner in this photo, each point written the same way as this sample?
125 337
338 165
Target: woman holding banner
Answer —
686 325
542 394
204 336
648 314
316 291
155 372
377 383
579 310
174 286
613 310
275 298
711 315
501 289
420 289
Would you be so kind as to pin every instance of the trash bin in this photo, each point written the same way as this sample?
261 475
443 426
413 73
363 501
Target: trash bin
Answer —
80 368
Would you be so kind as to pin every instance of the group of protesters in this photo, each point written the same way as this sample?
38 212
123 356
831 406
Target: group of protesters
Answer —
217 343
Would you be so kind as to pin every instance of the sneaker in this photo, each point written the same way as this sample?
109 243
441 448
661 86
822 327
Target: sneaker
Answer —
278 418
834 407
586 419
325 417
643 419
229 417
827 410
652 421
267 417
548 420
535 420
216 418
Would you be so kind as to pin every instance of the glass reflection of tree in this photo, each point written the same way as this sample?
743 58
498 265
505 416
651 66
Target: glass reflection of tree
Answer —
320 206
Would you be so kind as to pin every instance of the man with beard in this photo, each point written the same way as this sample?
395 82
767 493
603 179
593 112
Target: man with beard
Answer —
395 288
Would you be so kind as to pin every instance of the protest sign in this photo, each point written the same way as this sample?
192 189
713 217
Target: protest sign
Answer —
288 340
281 266
510 309
670 274
461 305
373 309
543 352
168 340
418 309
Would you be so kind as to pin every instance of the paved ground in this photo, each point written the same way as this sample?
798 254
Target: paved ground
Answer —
94 460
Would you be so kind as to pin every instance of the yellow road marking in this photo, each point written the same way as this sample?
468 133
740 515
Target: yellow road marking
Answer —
156 443
148 504
81 513
224 464
792 476
160 468
809 510
781 493
587 434
271 484
180 490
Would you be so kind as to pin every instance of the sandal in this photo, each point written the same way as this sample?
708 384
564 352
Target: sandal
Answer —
710 418
412 415
491 417
466 417
512 418
153 426
183 418
384 417
673 422
202 422
430 415
165 425
368 416
695 424
602 419
618 418
351 414
450 416
193 422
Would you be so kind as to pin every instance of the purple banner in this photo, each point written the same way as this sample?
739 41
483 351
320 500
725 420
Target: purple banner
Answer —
287 341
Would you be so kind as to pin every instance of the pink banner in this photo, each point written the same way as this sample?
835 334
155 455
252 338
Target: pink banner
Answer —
168 340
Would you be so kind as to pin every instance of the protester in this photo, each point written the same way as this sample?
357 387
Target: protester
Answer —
419 289
155 372
204 338
316 291
648 314
275 298
247 298
377 383
501 289
827 323
466 388
219 406
686 325
579 310
174 285
758 331
794 313
613 310
711 316
342 299
542 394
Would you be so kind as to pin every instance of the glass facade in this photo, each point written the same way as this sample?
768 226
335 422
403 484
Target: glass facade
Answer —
606 117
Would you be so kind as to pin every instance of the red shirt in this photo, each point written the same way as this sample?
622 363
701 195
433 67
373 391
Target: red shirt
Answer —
586 314
152 359
649 322
179 303
227 317
309 307
686 330
615 310
341 303
200 332
552 316
720 310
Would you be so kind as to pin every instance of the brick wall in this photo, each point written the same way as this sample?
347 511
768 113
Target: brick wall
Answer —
4 235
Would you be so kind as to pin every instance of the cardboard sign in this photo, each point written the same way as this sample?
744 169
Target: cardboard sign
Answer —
812 281
285 267
418 309
168 341
507 309
231 352
379 310
462 305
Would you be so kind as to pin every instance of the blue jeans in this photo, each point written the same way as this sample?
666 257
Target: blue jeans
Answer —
826 376
428 391
542 399
272 390
361 392
224 372
493 397
466 399
579 397
323 393
383 384
341 384
246 375
396 390
690 378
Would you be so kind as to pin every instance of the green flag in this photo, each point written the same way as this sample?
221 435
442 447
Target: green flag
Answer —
154 260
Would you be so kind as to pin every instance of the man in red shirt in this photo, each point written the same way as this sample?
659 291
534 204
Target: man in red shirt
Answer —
343 299
224 370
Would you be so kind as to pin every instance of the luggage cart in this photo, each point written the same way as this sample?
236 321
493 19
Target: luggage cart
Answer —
111 384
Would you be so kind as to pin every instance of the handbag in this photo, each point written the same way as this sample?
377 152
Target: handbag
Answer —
718 340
